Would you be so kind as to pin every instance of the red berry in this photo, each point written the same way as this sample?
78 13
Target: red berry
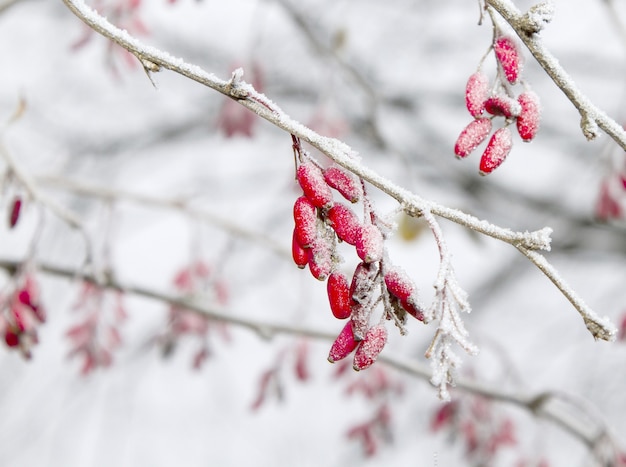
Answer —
411 307
313 185
305 216
398 283
497 149
343 345
476 93
339 295
528 119
320 259
15 212
299 254
502 106
344 182
11 338
370 243
361 290
471 136
371 346
345 223
509 57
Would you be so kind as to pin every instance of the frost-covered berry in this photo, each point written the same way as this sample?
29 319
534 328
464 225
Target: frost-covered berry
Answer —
343 345
320 259
411 307
503 106
476 93
313 185
398 283
496 151
299 254
509 56
305 217
14 215
371 346
339 295
361 290
528 119
345 223
471 136
370 243
344 182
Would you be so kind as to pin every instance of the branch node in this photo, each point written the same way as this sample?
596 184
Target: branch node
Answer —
589 126
537 17
234 86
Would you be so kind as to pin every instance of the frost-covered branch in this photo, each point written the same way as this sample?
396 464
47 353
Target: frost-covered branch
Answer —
153 60
527 26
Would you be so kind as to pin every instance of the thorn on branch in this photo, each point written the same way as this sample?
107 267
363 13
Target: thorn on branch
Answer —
234 86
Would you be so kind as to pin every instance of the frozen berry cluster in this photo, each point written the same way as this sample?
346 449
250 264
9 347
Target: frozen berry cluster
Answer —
320 224
486 101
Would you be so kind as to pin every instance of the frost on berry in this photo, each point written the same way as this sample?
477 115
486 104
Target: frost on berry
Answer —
471 136
372 344
299 254
14 215
345 223
305 217
320 258
398 283
313 185
502 106
361 294
476 93
370 243
345 183
509 57
528 119
339 295
497 149
343 345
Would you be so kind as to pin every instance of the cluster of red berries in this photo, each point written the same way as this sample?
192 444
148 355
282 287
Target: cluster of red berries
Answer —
498 101
21 314
320 223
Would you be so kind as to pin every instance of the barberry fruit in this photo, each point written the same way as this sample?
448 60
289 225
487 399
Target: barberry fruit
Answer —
370 243
502 106
339 295
15 212
343 345
344 183
528 119
299 254
305 216
497 149
398 283
476 93
471 136
371 346
320 259
313 185
345 223
509 56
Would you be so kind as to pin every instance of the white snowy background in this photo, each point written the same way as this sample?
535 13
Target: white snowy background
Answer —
86 122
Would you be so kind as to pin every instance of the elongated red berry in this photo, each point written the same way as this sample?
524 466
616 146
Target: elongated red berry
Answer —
476 93
345 223
305 216
502 106
313 185
369 243
15 212
497 149
361 298
471 136
339 295
343 345
320 259
398 283
371 346
509 56
411 306
11 338
299 254
528 119
345 183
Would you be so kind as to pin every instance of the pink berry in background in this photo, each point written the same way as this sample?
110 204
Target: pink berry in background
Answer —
502 106
343 345
313 185
509 57
299 254
497 149
345 223
345 183
471 136
305 217
370 243
371 346
476 93
528 119
339 295
15 212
